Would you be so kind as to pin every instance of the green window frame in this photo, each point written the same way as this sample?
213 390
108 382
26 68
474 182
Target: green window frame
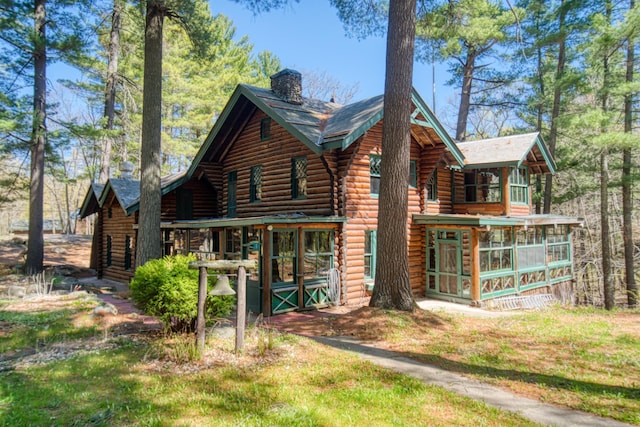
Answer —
283 259
483 186
413 174
432 187
184 204
255 185
496 249
375 161
519 185
232 188
265 129
558 244
298 177
318 254
370 244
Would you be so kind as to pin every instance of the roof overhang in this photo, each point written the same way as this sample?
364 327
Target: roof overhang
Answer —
485 220
262 220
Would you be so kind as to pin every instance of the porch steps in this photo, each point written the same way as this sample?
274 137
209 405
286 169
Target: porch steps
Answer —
536 301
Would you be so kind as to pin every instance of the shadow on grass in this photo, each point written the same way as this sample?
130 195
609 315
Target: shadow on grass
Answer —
551 381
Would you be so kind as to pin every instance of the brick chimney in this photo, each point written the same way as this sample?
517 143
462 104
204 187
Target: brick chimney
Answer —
287 84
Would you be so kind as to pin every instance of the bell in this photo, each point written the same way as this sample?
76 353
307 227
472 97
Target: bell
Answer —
222 286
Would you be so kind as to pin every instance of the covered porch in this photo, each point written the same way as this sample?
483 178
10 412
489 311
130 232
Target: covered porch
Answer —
295 255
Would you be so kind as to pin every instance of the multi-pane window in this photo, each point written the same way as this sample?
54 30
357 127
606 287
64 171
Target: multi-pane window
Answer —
298 177
375 162
233 244
265 129
432 187
255 186
519 185
496 249
318 253
530 247
232 188
482 185
370 254
558 243
413 174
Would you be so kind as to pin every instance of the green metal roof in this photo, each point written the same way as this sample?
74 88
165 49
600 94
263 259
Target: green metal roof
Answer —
319 125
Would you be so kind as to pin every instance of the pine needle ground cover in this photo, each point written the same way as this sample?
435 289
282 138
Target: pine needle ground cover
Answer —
105 377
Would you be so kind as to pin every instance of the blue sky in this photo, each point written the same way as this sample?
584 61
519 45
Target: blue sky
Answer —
309 36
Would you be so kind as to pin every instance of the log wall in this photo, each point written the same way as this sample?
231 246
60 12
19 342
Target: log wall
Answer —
361 209
118 226
275 156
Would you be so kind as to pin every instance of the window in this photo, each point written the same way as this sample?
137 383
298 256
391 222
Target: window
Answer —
233 243
127 252
283 260
265 129
530 248
413 174
255 186
205 243
109 213
482 186
109 249
318 253
519 185
298 178
374 173
558 243
370 254
496 249
232 186
184 204
432 186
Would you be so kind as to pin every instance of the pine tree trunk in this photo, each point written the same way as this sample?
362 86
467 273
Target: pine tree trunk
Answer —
555 111
35 249
392 287
149 243
607 270
110 90
627 204
465 96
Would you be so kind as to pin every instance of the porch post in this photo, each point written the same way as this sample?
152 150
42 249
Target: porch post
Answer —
475 266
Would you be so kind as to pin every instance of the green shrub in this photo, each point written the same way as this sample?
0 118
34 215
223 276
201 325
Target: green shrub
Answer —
168 288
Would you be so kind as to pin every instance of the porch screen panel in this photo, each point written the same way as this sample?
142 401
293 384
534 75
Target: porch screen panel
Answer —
318 254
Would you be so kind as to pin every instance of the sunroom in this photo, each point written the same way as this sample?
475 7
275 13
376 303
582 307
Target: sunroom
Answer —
474 259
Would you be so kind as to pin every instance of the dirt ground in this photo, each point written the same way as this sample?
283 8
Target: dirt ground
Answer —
59 249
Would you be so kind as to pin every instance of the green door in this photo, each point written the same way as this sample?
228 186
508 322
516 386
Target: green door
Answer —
284 283
447 274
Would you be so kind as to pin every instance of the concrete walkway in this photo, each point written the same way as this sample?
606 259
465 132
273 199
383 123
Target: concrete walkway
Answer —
493 396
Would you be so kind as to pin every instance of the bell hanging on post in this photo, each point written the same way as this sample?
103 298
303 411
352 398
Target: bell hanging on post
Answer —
222 286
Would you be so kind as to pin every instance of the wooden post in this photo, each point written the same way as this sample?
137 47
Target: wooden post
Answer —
202 297
241 312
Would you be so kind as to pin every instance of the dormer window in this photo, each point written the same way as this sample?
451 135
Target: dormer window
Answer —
482 186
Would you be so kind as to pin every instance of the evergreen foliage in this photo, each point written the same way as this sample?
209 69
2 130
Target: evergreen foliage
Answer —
168 288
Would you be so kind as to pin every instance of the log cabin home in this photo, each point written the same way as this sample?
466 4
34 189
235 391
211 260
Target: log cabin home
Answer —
293 183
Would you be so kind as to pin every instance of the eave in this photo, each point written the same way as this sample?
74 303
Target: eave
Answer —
486 220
